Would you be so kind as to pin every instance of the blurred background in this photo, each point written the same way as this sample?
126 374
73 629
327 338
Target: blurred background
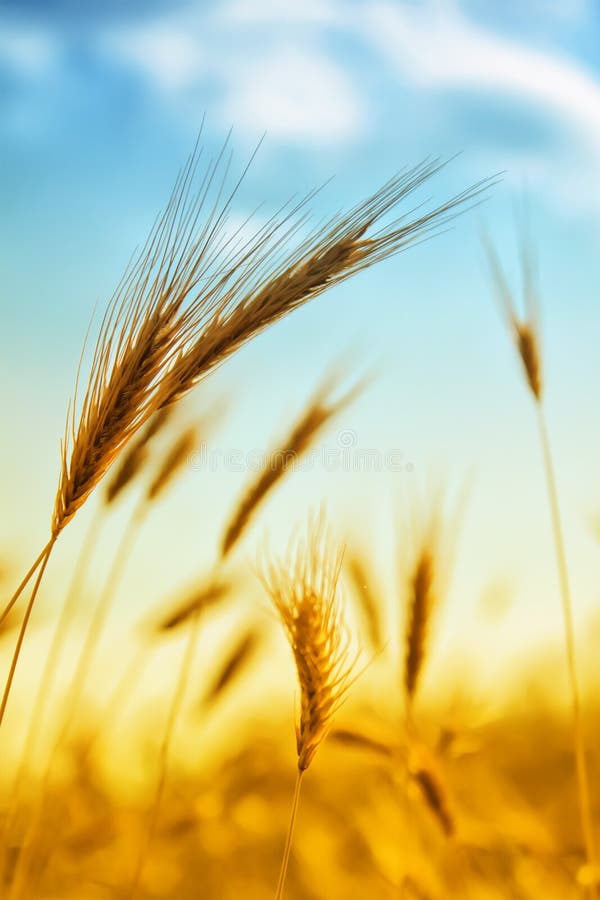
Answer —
100 104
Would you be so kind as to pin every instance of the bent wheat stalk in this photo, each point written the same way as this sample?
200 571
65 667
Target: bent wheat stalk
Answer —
167 471
193 296
304 589
130 464
526 337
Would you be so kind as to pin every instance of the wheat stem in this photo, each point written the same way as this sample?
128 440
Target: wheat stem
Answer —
290 835
165 749
98 621
16 653
569 631
48 676
24 583
74 694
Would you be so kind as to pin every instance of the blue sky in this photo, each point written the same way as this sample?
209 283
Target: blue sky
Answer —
100 104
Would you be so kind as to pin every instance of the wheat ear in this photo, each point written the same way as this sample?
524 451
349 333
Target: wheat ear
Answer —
422 597
235 662
304 590
192 297
320 410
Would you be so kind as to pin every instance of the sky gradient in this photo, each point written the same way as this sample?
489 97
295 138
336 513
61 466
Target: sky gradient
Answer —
99 108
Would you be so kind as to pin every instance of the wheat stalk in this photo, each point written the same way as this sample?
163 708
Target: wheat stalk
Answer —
304 590
168 469
192 297
526 338
129 467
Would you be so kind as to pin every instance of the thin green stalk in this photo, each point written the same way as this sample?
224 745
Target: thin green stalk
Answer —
585 808
164 753
290 835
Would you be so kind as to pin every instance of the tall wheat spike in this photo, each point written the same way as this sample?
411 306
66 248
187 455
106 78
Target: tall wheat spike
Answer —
233 665
193 296
526 338
422 593
304 589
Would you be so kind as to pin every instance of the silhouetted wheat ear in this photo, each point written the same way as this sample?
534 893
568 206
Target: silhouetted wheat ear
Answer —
214 591
425 577
194 294
235 663
304 589
321 409
420 605
176 458
425 774
361 576
133 459
525 331
267 282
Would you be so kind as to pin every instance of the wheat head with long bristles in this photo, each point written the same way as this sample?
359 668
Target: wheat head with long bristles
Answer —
304 589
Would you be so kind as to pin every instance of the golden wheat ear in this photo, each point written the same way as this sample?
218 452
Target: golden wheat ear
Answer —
194 295
304 590
427 550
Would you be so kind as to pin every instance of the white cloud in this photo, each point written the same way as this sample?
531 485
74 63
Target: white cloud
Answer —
294 93
169 55
435 46
293 90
